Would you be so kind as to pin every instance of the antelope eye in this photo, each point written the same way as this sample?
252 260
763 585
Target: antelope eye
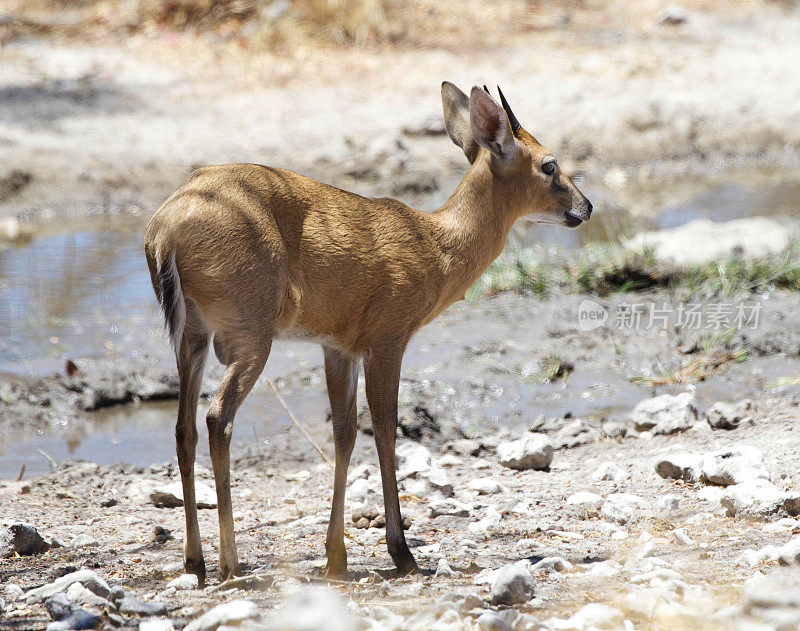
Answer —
549 167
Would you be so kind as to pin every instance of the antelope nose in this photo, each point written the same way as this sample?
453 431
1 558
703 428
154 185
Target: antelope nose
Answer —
589 208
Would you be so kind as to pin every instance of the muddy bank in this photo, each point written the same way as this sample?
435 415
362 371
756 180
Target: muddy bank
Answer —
491 364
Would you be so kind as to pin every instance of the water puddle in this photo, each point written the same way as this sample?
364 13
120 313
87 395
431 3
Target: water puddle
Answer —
84 291
77 291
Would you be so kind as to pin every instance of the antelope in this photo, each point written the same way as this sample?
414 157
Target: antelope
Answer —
246 254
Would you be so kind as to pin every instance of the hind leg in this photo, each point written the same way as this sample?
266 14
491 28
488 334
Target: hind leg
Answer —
191 361
341 373
246 363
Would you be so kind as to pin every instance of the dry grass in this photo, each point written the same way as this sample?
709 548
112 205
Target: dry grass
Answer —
552 368
786 382
289 24
714 355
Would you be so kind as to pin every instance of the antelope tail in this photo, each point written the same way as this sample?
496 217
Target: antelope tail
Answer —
171 298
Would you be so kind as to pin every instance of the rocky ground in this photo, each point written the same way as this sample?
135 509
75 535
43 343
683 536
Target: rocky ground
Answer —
665 519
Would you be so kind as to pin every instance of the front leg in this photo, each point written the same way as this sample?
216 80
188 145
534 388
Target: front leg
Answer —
382 375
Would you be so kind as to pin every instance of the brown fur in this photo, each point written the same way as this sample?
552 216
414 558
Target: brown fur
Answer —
264 253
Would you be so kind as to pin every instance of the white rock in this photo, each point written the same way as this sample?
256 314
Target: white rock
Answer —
443 615
734 465
655 577
414 462
437 480
710 494
789 553
591 616
753 497
87 578
412 590
513 585
668 502
13 591
576 433
432 549
313 609
723 415
673 15
642 551
702 241
360 489
443 569
699 518
12 229
787 523
522 508
231 613
620 507
79 595
138 491
363 470
412 458
297 476
652 603
682 537
184 581
485 524
171 495
772 593
665 414
610 471
532 451
449 460
485 486
615 177
449 506
585 504
552 564
491 621
603 569
755 557
82 540
680 466
156 624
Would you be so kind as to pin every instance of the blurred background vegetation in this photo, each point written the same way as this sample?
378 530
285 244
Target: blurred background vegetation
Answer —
286 25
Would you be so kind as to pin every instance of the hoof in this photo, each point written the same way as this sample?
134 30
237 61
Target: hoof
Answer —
335 571
230 572
337 566
198 568
407 566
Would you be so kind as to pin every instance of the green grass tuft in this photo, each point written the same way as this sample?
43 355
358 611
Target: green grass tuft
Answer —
605 268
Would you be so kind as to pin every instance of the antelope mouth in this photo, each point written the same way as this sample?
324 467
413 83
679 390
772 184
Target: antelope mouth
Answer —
572 221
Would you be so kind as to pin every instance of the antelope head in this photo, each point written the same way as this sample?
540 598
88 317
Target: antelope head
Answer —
526 174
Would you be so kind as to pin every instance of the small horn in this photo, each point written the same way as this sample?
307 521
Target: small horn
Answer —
485 89
515 126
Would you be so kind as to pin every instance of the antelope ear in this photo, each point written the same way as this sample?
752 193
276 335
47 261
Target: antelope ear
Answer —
457 119
490 126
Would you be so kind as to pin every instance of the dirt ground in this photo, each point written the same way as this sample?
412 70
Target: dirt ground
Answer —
643 113
104 121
